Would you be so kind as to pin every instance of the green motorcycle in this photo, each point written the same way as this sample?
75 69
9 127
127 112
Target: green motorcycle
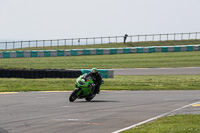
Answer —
84 88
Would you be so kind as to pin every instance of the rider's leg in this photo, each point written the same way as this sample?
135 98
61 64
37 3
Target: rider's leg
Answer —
97 89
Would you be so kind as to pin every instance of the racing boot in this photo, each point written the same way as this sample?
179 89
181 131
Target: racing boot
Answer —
97 90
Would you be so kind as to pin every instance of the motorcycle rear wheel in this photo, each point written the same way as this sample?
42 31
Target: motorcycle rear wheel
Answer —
73 96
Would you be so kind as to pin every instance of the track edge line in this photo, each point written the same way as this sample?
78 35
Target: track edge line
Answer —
154 118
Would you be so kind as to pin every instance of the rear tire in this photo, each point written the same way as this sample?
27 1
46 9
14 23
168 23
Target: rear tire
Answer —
73 96
89 98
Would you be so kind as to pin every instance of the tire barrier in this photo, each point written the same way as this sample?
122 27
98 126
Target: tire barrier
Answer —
51 73
99 51
39 73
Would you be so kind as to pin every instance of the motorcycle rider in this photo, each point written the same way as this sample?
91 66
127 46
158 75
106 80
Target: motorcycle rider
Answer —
96 78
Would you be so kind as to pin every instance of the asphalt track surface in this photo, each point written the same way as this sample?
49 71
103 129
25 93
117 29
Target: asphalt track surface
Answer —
158 71
51 112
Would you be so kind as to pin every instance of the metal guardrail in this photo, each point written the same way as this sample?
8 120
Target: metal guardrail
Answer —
99 40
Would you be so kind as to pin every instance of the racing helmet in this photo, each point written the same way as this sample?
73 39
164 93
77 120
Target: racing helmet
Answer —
94 71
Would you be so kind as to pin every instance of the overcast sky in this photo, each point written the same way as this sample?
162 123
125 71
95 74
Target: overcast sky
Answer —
60 19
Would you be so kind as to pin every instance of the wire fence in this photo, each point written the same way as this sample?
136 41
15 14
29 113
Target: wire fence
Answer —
99 40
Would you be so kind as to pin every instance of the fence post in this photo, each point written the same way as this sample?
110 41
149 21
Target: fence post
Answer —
51 43
43 43
196 36
86 41
79 41
109 39
36 43
65 43
131 38
29 44
153 37
13 45
101 40
167 37
94 40
160 37
21 44
174 36
116 39
145 38
138 38
181 36
6 46
72 42
189 36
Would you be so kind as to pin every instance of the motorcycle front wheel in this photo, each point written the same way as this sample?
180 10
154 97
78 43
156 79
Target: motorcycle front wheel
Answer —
73 96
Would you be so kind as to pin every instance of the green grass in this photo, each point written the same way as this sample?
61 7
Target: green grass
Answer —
158 82
172 124
143 60
17 84
115 45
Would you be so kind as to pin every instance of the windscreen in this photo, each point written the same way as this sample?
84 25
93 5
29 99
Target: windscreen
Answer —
86 77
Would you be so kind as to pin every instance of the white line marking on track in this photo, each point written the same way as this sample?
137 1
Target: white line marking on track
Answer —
119 92
55 91
8 92
154 118
40 97
69 106
65 119
72 119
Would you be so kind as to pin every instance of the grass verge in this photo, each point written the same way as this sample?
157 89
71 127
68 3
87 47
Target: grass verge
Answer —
172 124
115 45
144 60
157 82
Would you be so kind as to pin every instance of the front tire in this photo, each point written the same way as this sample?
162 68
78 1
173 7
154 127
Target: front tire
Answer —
73 96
